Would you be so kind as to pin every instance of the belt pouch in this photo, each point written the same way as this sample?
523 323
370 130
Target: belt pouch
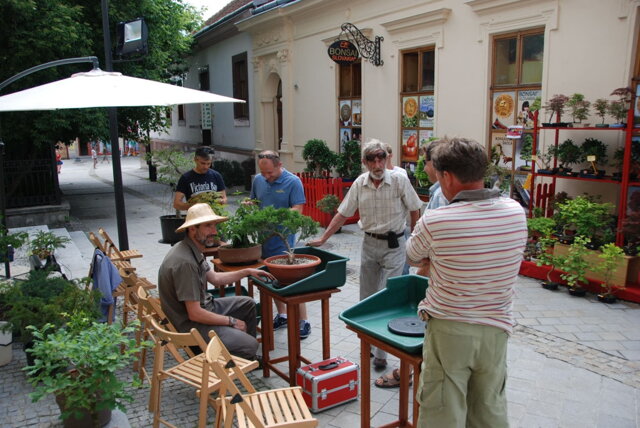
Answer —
392 240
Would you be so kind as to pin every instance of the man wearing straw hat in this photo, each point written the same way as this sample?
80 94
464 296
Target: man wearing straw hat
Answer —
182 283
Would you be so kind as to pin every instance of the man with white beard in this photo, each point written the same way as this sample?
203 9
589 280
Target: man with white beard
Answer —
383 200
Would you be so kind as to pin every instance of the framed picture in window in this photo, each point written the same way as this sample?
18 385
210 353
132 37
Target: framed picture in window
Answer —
503 110
427 111
345 135
410 108
525 99
344 113
356 113
409 145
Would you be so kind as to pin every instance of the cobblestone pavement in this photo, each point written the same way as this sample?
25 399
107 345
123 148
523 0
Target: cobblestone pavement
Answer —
573 362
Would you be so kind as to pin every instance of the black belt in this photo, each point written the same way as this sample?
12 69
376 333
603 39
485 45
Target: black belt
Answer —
384 236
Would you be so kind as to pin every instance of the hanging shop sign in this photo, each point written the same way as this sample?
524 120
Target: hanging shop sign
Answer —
343 52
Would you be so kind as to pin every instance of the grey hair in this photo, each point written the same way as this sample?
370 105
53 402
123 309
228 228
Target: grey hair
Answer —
372 146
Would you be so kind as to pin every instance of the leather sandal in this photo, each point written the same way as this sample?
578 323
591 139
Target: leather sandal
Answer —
380 363
390 380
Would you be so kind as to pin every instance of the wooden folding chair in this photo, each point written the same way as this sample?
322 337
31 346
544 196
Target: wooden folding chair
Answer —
120 264
193 371
112 251
128 289
283 407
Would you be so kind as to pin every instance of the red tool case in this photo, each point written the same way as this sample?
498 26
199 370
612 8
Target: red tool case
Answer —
328 383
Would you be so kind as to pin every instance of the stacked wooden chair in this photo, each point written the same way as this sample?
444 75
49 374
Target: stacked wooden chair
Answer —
112 251
120 264
283 407
193 371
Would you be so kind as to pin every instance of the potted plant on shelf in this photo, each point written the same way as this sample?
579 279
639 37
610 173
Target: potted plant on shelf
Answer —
574 266
319 157
525 151
79 363
568 154
43 246
595 152
631 231
579 109
282 222
585 217
244 233
612 257
618 109
601 107
349 165
556 106
618 159
328 205
546 257
545 158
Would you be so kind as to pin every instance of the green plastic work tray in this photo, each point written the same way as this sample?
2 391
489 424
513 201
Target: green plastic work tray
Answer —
330 273
399 299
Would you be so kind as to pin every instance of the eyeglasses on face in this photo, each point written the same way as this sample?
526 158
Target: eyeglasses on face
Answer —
373 156
268 156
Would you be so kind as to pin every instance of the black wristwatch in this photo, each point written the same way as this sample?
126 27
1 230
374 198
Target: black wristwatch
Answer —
232 322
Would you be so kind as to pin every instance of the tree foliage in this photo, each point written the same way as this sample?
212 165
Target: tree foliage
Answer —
34 32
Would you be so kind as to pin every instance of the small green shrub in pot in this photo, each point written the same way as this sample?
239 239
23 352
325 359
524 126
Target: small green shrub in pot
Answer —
568 153
601 106
282 222
579 107
586 217
574 264
319 157
349 164
244 228
328 204
10 242
594 147
44 244
611 258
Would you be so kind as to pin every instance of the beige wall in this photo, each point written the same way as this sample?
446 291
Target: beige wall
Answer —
589 48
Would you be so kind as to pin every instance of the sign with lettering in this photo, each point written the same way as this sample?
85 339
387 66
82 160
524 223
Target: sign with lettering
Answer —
343 52
206 116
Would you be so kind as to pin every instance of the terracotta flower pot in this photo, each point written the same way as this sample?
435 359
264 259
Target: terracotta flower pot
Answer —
239 256
288 274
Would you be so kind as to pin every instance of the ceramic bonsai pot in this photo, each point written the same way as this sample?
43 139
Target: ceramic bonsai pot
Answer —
550 285
239 256
607 298
577 291
288 274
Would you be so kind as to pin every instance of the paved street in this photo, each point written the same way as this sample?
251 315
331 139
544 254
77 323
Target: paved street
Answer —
573 362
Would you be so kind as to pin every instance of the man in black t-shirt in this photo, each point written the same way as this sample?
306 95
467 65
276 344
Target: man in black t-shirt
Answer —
200 179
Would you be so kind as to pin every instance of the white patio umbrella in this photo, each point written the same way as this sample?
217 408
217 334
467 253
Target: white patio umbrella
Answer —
97 88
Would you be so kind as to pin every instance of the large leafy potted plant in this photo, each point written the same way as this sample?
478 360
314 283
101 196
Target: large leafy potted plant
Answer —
78 363
575 265
611 258
244 233
319 157
585 217
282 222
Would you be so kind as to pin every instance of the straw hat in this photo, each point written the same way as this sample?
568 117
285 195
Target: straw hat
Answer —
198 214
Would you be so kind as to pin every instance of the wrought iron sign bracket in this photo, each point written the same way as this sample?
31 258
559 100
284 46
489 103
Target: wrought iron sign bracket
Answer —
368 49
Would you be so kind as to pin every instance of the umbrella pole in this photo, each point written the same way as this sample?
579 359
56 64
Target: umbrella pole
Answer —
121 219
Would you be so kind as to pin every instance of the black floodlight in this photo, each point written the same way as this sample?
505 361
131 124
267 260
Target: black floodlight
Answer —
132 38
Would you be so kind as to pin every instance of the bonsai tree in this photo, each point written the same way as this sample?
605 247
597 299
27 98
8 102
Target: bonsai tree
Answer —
44 244
586 217
282 222
602 107
545 257
244 229
594 147
556 105
618 110
319 157
349 164
10 242
618 159
213 199
579 107
79 363
328 204
611 258
575 265
525 151
568 153
547 156
540 226
536 105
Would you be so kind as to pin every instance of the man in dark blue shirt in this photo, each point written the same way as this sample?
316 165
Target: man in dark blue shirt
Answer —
200 179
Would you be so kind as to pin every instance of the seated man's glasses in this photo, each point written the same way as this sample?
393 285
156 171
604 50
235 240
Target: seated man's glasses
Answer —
373 156
268 156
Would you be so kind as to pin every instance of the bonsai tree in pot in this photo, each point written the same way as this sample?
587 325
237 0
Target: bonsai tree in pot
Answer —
568 154
545 257
592 148
601 106
545 159
525 151
43 246
79 363
618 159
618 109
244 233
579 108
349 165
611 258
556 106
574 266
586 218
319 157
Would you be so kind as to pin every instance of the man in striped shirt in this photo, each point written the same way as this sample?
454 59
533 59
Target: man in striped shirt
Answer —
383 200
474 247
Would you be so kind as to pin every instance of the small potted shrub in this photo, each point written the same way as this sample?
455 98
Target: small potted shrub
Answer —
545 257
79 363
601 107
618 159
349 165
592 147
319 157
618 109
586 217
574 266
556 106
579 109
568 154
546 158
611 258
329 205
9 242
244 233
43 246
526 151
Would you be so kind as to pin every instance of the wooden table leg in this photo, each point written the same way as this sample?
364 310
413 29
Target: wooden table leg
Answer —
293 333
365 385
267 332
326 337
238 285
416 406
403 411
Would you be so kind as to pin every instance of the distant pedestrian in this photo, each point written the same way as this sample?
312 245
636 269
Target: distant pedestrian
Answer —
94 156
58 159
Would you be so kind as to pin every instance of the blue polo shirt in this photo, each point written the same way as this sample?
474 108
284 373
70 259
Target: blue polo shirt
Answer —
285 192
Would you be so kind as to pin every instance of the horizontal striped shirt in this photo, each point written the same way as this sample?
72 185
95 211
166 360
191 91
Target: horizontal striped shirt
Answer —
475 248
